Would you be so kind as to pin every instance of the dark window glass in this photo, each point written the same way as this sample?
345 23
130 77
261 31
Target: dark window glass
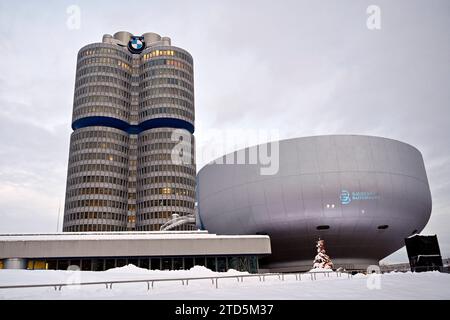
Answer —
188 263
221 264
51 264
86 265
177 263
211 263
166 263
199 261
63 264
98 265
144 263
155 264
110 263
134 262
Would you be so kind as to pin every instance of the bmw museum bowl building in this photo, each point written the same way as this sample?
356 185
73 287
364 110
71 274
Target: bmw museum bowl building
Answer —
361 194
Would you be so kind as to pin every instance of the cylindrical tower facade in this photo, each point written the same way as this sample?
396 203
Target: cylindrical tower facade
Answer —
131 161
165 185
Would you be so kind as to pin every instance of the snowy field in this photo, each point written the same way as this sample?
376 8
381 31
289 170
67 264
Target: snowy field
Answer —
429 285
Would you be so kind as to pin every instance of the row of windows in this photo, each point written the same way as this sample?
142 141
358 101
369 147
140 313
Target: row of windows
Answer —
169 91
112 146
96 215
97 167
168 110
160 157
98 156
156 146
100 50
154 135
152 227
96 203
166 72
166 62
103 69
101 99
98 78
104 60
94 227
162 81
166 191
167 167
166 215
96 191
147 181
158 53
82 146
102 90
71 181
86 110
166 100
100 133
166 203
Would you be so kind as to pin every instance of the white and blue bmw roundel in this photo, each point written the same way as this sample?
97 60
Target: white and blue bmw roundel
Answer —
136 45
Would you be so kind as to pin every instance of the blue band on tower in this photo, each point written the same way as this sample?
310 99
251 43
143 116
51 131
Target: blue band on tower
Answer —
132 129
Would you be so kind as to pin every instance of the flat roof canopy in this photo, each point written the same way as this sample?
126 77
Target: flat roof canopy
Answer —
126 244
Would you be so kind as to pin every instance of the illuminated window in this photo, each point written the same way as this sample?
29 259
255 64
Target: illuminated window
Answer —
166 190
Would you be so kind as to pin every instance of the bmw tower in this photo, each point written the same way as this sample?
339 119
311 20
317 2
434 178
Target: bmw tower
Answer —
131 159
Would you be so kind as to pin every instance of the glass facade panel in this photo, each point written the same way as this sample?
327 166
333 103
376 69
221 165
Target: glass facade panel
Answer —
51 264
121 263
177 263
222 264
110 263
39 265
76 263
155 264
166 263
144 263
62 264
86 265
98 264
133 261
211 263
252 264
188 263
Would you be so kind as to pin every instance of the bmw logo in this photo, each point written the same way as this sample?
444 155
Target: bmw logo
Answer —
136 44
345 197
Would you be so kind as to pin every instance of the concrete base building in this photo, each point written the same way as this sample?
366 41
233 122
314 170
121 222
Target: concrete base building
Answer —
92 251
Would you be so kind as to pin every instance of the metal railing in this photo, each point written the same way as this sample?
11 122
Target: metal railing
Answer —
184 280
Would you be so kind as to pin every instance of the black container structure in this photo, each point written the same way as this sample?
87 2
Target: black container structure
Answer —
424 253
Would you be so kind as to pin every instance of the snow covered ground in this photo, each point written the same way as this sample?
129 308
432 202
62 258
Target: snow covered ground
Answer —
429 285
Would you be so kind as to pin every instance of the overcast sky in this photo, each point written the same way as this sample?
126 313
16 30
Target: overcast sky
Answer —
300 67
